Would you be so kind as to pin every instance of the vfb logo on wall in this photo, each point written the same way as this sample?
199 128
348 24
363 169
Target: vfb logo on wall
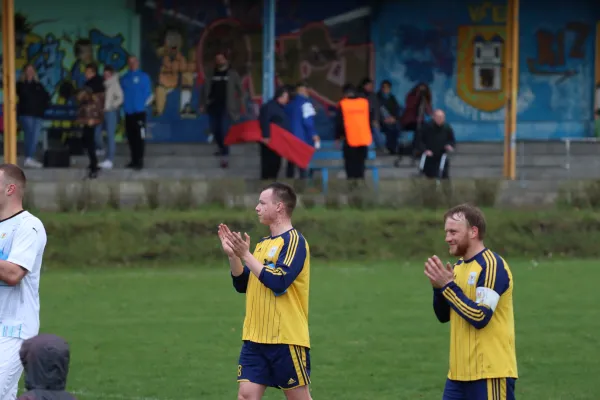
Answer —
480 66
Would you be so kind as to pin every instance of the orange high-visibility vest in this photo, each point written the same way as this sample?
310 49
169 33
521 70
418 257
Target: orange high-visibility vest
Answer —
356 121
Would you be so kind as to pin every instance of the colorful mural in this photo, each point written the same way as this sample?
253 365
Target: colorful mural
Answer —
60 57
459 52
59 43
326 46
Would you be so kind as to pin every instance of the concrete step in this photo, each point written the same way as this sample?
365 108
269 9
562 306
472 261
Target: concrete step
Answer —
122 174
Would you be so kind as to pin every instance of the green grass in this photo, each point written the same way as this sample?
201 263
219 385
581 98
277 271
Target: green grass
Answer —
174 333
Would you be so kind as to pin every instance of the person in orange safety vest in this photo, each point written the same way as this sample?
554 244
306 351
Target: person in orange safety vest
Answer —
353 126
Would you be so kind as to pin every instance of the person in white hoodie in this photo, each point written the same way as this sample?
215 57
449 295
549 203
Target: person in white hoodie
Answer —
112 103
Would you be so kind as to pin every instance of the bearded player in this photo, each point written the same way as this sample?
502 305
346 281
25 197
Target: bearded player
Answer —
476 296
275 279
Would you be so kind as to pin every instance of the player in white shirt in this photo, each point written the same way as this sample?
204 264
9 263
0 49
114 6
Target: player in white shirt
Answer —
22 243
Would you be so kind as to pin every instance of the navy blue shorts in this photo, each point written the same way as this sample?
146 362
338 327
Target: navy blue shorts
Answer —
484 389
281 366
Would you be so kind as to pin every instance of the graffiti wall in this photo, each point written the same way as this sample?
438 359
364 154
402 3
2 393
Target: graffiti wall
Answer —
459 51
325 44
60 41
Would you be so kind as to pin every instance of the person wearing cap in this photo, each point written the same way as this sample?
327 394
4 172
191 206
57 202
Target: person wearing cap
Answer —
272 112
353 126
301 114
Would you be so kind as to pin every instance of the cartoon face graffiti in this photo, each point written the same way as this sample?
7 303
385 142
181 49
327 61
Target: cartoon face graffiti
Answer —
173 43
480 69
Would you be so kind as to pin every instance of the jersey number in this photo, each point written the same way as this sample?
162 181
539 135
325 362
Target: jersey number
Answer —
239 371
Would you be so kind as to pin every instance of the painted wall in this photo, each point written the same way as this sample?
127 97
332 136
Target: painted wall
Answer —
60 40
316 41
434 42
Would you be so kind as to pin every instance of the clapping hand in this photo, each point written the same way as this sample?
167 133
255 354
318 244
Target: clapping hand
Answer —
234 241
223 229
438 275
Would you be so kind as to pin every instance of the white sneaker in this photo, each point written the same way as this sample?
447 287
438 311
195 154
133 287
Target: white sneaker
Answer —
106 164
31 163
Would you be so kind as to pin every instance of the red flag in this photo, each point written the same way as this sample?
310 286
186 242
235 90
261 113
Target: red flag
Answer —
290 147
243 132
281 142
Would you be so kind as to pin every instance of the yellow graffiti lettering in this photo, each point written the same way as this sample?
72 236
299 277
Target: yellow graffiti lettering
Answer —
499 14
478 13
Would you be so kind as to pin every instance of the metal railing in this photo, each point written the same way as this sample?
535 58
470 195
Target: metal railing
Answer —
567 143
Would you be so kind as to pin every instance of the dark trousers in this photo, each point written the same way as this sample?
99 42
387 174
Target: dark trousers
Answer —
135 127
290 171
219 125
89 143
270 163
431 169
392 134
354 161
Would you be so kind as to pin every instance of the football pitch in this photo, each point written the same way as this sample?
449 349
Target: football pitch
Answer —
174 333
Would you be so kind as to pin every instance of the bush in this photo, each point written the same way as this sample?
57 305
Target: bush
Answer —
117 238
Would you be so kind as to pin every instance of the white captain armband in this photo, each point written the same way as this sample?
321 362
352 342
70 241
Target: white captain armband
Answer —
487 297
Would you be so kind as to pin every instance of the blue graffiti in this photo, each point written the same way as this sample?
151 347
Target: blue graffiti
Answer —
425 51
47 58
110 49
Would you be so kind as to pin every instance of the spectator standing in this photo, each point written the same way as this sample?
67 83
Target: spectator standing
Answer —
221 99
366 90
353 127
272 112
34 100
436 139
301 114
112 102
137 91
91 114
389 116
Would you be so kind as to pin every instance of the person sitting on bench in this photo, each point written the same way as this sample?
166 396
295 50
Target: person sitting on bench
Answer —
435 139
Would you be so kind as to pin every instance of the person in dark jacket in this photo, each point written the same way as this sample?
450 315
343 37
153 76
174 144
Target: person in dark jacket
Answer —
34 100
389 116
367 91
45 359
221 98
435 139
91 113
272 112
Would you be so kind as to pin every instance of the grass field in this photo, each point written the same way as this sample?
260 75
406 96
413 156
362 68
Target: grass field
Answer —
174 333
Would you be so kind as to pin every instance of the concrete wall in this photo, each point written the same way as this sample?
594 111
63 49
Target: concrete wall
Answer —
81 195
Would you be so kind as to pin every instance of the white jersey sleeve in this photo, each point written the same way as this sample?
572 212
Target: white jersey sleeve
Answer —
27 242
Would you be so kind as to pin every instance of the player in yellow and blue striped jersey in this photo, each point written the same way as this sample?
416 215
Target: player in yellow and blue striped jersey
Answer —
476 297
275 278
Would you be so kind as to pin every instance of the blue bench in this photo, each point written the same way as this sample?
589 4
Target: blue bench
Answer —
322 161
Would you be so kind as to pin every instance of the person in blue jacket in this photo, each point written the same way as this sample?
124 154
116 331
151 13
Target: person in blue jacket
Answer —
301 115
137 93
272 112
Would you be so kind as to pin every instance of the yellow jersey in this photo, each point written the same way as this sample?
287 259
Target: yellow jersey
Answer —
277 300
479 306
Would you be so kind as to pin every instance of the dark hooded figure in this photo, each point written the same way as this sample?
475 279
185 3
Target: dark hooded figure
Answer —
45 359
